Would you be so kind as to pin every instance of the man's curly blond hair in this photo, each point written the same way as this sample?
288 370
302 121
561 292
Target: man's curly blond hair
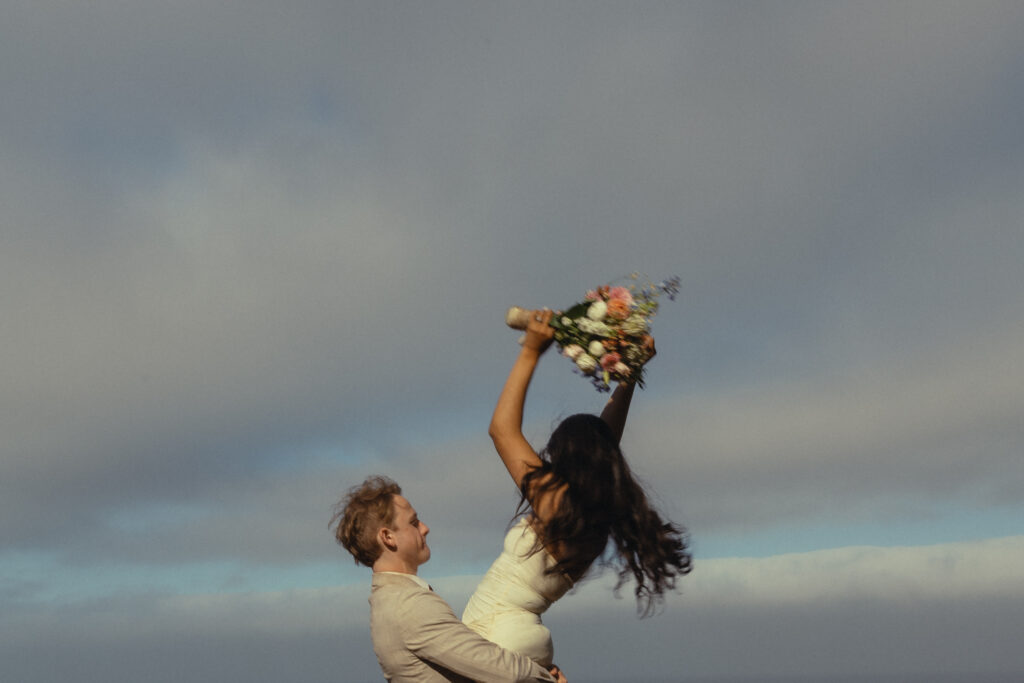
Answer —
361 513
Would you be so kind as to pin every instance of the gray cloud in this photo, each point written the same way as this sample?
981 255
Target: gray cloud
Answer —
821 614
905 441
251 255
917 436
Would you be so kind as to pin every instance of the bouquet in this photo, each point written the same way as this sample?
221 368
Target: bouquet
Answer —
608 334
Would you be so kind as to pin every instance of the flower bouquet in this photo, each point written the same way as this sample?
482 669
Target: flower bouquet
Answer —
607 335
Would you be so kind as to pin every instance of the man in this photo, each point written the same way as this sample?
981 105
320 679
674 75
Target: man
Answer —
416 636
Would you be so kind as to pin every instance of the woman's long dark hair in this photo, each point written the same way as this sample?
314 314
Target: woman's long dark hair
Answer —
603 501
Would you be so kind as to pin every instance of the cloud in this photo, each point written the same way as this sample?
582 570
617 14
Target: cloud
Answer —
872 446
850 610
980 569
251 256
846 612
312 637
916 434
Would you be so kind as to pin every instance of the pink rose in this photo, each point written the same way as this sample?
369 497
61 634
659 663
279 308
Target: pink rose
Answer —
609 360
621 294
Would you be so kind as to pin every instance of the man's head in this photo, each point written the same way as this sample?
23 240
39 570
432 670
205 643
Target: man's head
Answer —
380 528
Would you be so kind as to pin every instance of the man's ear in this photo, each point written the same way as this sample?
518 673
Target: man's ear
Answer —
386 538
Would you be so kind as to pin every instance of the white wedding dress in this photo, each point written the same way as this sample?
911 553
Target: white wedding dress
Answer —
507 604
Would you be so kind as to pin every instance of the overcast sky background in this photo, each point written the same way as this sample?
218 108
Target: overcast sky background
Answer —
254 251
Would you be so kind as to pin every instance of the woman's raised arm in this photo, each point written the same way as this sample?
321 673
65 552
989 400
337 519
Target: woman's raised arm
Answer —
617 408
506 428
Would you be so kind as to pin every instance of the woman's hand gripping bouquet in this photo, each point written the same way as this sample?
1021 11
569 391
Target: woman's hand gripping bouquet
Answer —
607 335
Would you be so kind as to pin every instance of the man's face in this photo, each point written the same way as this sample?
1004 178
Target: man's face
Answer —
409 534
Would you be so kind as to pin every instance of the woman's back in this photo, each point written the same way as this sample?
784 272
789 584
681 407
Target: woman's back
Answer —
516 590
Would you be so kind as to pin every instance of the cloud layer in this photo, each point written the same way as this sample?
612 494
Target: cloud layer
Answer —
252 254
855 612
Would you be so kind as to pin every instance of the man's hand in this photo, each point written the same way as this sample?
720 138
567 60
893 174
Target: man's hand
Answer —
557 673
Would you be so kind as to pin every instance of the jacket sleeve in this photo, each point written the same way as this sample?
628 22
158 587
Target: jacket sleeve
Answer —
435 634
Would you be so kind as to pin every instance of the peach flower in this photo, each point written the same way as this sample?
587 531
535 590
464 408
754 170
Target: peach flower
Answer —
618 309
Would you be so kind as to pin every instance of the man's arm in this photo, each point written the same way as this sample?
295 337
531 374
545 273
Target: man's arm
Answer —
433 632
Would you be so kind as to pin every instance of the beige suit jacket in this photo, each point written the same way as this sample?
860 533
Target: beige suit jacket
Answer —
418 638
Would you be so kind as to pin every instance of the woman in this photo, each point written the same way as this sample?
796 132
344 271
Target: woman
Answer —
578 494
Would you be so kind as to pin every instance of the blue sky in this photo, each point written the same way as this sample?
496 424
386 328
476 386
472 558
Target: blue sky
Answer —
254 252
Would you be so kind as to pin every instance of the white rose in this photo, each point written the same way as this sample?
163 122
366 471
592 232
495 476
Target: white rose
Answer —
597 310
566 321
586 363
635 354
635 325
589 326
596 349
573 351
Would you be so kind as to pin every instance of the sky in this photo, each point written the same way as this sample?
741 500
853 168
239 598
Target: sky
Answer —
253 252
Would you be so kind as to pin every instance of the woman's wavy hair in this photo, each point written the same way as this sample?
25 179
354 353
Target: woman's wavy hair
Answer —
601 501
